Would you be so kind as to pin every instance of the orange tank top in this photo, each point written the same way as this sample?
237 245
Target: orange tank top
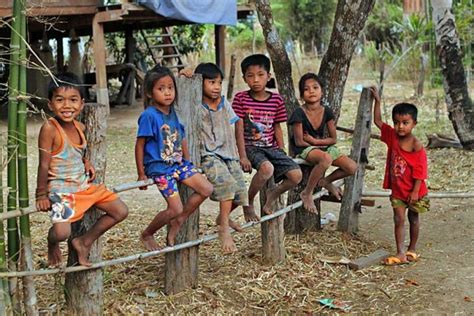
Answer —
66 172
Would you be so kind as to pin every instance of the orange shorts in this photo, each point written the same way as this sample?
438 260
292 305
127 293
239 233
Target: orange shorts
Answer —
71 207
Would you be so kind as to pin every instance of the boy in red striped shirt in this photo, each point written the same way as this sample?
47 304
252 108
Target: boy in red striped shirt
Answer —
260 137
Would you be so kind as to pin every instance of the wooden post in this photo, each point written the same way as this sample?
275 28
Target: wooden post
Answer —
60 54
100 62
300 220
181 267
230 87
84 290
273 235
219 36
351 201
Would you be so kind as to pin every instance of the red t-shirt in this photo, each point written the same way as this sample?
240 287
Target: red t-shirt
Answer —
403 167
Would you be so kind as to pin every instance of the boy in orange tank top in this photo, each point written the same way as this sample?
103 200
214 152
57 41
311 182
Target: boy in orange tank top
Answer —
64 182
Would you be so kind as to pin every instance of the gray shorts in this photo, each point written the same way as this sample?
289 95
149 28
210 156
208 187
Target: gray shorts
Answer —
227 178
281 162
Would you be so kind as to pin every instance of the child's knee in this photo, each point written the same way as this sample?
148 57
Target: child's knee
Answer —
398 218
207 189
413 217
266 170
295 176
59 232
175 211
352 168
326 160
122 212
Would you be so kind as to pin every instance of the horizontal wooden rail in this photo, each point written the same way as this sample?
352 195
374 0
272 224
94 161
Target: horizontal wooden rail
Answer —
140 256
431 195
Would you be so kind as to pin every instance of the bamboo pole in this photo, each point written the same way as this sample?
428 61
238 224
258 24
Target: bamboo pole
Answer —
431 195
13 239
29 291
5 302
188 244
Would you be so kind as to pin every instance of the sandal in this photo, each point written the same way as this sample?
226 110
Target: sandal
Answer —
394 261
412 256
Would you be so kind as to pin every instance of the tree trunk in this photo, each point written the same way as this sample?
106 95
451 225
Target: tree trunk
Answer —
349 21
460 106
181 267
280 60
84 290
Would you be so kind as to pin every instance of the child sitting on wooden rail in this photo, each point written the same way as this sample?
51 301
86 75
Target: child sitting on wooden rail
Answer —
161 153
260 136
405 173
310 143
64 175
219 156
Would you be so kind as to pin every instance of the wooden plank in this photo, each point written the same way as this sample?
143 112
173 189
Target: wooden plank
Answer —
273 234
373 258
219 36
351 200
363 202
181 267
100 61
230 87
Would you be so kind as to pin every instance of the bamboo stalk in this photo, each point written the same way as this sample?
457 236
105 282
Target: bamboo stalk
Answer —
5 301
13 239
181 246
29 291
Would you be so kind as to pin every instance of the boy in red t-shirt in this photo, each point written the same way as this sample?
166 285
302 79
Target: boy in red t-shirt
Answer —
405 173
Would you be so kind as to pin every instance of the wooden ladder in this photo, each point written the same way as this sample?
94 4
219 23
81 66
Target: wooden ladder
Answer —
163 50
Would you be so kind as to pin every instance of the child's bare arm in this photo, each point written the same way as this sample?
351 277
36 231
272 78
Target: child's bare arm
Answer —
330 140
239 137
45 146
298 135
139 152
413 197
184 145
187 72
377 112
279 136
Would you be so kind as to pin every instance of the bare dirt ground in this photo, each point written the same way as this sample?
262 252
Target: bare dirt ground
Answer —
440 283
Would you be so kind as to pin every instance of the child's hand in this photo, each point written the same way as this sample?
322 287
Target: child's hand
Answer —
375 94
90 170
308 138
188 73
246 165
413 197
142 178
43 204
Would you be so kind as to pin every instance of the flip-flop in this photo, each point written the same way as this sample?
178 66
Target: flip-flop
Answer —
412 256
394 261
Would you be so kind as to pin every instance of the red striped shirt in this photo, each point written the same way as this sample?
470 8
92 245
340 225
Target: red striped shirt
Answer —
259 117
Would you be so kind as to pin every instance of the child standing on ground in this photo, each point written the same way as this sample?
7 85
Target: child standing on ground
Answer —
161 153
260 137
219 156
310 143
65 176
405 173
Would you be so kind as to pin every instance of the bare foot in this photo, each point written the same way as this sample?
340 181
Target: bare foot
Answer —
82 252
231 223
332 189
249 214
149 242
228 245
308 202
54 255
271 197
173 232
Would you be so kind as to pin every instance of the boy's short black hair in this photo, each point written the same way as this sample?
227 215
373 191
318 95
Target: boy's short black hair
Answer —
66 80
255 60
405 108
209 71
304 78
